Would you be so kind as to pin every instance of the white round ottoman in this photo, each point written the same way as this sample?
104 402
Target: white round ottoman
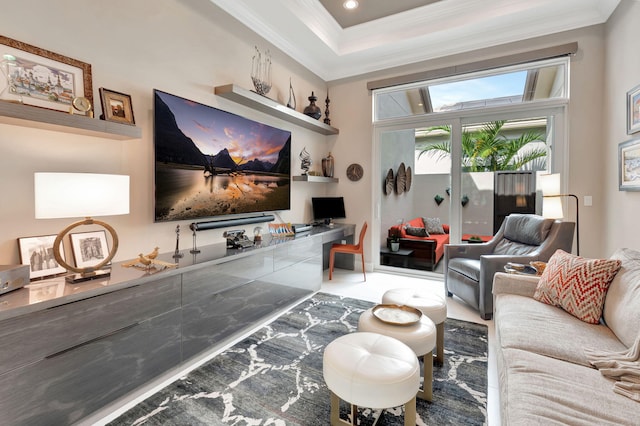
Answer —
373 371
420 337
431 305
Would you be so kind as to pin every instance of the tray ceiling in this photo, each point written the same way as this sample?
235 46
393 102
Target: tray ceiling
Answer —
404 31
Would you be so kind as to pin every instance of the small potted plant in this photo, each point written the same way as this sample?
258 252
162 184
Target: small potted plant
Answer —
394 239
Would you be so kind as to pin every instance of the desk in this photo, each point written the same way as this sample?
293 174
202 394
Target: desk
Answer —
393 258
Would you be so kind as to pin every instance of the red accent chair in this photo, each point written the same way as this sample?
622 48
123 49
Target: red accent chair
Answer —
349 249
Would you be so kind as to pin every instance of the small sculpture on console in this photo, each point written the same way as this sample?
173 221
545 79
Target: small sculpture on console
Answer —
177 254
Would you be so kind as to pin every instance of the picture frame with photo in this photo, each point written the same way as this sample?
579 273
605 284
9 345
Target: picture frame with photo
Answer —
116 107
629 165
31 70
89 248
38 253
633 110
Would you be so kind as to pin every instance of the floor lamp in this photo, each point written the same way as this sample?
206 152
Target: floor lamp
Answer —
552 204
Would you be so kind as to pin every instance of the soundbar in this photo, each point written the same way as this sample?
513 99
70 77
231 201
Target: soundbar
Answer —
223 223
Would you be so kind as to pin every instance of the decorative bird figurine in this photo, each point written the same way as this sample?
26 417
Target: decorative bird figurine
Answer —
153 254
144 260
149 260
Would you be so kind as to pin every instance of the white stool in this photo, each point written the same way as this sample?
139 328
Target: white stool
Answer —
373 371
431 305
420 337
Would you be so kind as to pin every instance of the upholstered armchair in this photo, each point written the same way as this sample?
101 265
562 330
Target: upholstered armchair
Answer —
522 238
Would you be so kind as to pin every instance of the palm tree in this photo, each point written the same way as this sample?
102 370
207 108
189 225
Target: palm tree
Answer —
486 150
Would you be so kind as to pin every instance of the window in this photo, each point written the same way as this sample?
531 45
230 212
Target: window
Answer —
513 85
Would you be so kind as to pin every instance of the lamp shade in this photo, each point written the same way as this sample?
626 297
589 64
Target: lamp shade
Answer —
551 204
552 208
549 184
60 195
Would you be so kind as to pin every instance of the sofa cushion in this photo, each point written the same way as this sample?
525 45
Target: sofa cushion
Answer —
524 323
433 225
622 304
416 232
527 229
577 284
416 222
467 267
506 246
538 390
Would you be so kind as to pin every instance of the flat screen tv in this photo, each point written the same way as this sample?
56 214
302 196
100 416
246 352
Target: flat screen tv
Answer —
210 162
327 208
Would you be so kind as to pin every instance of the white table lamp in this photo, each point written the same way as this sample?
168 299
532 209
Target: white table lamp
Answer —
62 195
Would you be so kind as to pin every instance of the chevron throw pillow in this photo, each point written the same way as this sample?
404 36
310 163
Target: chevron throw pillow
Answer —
576 284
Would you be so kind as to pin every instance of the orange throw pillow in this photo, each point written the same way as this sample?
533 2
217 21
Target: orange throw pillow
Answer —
576 284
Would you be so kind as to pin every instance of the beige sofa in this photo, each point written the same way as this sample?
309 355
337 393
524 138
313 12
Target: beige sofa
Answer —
545 377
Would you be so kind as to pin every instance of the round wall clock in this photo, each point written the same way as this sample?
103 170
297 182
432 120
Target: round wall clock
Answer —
355 172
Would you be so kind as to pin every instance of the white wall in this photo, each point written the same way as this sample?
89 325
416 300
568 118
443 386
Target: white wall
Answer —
182 47
620 224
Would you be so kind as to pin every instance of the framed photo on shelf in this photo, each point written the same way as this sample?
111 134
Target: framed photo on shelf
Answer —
116 107
629 165
633 110
89 248
38 253
42 78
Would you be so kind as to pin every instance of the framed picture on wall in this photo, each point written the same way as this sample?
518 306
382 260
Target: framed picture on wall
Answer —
633 110
39 77
629 165
38 253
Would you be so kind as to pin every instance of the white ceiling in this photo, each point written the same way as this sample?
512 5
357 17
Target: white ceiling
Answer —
307 32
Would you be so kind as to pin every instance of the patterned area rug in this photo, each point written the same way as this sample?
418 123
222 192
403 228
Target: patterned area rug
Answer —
274 377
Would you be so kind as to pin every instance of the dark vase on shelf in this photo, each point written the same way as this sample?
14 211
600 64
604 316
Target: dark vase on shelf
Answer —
327 166
313 110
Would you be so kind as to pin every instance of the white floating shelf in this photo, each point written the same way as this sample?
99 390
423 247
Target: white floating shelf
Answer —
59 121
316 179
271 107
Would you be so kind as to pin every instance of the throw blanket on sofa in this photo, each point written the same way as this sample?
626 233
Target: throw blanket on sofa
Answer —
623 367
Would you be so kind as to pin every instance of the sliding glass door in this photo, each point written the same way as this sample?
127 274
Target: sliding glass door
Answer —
468 173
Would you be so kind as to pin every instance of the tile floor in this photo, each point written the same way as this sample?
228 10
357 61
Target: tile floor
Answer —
351 284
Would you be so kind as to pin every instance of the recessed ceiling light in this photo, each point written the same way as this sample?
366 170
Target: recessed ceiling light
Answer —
350 4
